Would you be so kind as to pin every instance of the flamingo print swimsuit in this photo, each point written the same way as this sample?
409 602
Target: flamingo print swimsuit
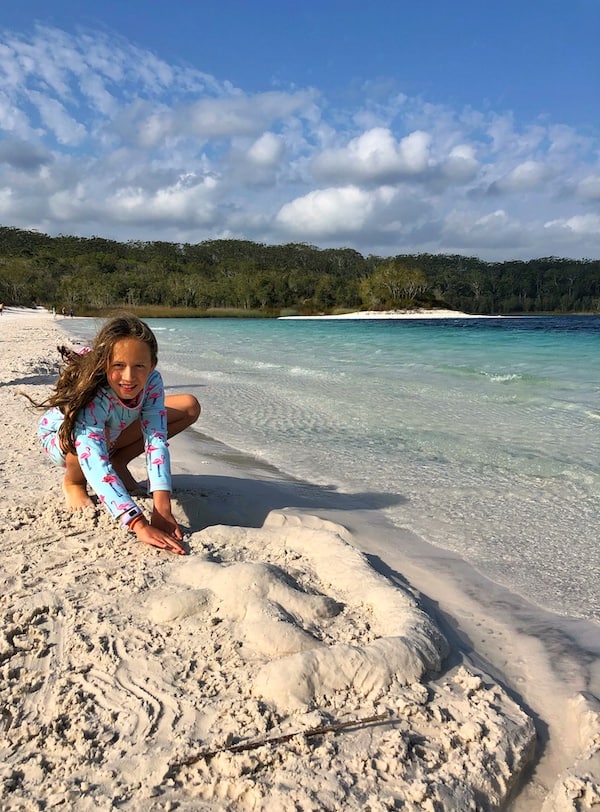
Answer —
98 425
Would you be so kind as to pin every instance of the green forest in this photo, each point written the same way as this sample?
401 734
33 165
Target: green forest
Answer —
238 277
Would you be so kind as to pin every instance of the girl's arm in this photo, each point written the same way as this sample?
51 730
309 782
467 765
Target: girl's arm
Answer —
94 457
158 463
162 517
153 417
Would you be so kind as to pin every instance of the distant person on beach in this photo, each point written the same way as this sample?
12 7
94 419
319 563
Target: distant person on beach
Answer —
1 308
108 407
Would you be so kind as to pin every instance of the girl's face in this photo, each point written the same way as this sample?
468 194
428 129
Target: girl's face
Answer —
129 368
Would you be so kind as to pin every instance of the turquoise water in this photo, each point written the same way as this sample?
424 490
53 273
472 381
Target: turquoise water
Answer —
484 431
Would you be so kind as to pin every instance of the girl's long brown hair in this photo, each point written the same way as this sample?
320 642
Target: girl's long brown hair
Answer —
83 374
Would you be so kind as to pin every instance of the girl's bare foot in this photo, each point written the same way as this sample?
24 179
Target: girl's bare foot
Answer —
133 488
75 484
76 496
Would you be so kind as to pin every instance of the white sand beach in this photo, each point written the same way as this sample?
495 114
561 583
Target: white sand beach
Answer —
414 313
289 662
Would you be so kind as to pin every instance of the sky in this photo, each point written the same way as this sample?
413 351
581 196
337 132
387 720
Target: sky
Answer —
390 127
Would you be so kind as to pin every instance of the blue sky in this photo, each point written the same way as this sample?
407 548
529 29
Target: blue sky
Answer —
389 127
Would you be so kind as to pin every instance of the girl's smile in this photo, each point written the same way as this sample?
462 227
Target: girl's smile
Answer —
129 368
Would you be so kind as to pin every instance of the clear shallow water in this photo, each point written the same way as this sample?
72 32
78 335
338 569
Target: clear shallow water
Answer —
487 429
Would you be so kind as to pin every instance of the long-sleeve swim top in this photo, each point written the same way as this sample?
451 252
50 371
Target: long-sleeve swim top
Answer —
100 423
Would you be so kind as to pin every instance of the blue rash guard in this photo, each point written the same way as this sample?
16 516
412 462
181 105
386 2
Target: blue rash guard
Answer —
97 427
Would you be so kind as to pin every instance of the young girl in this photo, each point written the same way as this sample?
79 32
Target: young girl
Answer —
108 407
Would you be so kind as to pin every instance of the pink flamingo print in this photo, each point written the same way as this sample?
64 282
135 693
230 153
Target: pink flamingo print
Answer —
94 435
163 414
92 408
52 444
123 506
158 461
85 455
111 479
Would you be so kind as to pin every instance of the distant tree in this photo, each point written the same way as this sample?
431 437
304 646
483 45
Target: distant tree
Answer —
393 285
100 273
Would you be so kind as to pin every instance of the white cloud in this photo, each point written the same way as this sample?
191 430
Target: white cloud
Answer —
64 204
374 157
243 115
188 201
99 136
92 85
57 120
333 211
527 176
565 142
103 59
6 201
11 72
506 138
581 225
461 165
256 163
12 119
589 187
151 123
22 155
267 150
493 230
48 58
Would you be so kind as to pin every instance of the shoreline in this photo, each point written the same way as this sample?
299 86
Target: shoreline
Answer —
547 663
416 313
225 497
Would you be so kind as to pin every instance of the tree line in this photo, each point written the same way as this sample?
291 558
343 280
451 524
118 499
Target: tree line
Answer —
93 274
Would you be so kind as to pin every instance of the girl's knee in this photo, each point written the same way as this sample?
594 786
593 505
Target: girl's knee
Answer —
183 410
193 408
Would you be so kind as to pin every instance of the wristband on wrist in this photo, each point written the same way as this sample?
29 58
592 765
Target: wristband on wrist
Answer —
129 516
134 521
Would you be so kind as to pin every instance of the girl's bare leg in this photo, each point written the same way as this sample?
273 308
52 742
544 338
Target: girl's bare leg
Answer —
75 484
182 411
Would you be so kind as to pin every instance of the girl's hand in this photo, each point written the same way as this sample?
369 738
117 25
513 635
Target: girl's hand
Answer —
156 537
164 520
162 517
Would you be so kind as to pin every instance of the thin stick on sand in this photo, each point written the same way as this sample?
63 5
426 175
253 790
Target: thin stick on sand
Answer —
333 727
